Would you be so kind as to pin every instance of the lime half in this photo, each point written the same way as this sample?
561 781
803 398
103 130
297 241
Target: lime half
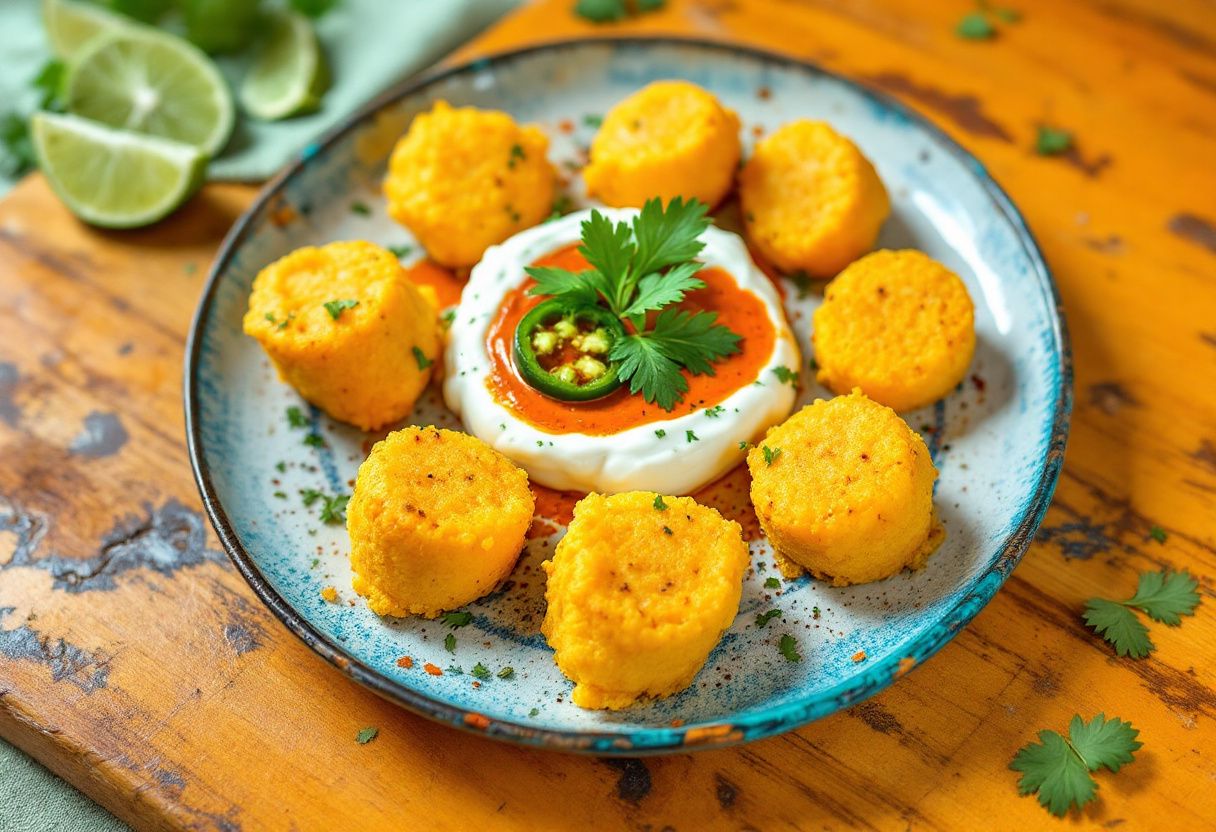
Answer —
289 74
144 80
70 25
114 178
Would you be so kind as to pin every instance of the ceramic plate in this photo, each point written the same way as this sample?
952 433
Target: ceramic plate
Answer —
997 440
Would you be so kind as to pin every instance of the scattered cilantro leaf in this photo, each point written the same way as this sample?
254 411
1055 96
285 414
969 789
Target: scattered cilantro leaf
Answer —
772 583
360 208
1163 596
517 155
455 620
691 436
763 618
789 648
561 206
335 308
815 613
770 454
280 495
534 712
314 440
281 467
1158 534
744 445
975 26
455 670
715 412
296 417
449 643
593 120
310 496
660 433
667 531
334 509
1051 141
401 252
506 673
785 375
1058 769
600 11
480 671
659 505
366 735
420 357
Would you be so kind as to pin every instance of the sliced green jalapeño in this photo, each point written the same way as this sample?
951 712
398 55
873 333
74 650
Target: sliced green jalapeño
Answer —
563 353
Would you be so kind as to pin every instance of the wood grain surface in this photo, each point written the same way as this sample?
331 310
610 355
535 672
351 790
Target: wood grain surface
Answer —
135 662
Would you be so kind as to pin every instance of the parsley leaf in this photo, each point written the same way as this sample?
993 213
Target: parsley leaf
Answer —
400 252
666 238
1052 141
456 620
763 618
420 357
449 643
651 361
789 648
770 454
1158 534
657 290
366 735
296 417
659 505
772 583
600 11
335 308
333 509
314 440
785 375
975 26
1058 768
360 208
574 289
1162 596
480 671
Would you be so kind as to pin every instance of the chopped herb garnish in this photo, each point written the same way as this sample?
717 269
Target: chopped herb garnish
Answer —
270 317
643 267
449 643
506 673
360 208
815 613
1158 534
296 417
455 670
715 412
743 446
366 735
1058 769
1051 141
447 318
310 496
667 530
334 509
770 454
517 154
401 252
314 440
455 620
1162 596
315 563
772 583
335 308
291 316
281 467
763 618
660 433
534 712
280 495
786 376
691 436
480 671
561 206
789 648
420 357
975 26
659 505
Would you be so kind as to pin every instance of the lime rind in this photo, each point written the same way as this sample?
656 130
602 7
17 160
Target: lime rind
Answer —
70 25
114 178
289 74
137 78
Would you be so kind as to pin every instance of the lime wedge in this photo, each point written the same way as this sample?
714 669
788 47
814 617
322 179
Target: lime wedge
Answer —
114 178
70 25
144 80
289 74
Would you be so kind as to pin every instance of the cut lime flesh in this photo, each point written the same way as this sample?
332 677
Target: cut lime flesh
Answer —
151 82
70 25
114 178
289 75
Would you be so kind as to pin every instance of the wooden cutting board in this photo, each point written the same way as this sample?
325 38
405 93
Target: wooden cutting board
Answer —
135 662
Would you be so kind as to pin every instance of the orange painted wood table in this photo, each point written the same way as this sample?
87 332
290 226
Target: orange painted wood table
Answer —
135 661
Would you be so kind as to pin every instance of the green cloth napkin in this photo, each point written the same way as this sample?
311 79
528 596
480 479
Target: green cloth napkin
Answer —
370 44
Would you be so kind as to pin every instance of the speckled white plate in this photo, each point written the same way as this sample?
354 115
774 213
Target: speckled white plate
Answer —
997 441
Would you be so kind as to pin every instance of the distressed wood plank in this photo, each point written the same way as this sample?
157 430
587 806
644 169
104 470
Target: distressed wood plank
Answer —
134 661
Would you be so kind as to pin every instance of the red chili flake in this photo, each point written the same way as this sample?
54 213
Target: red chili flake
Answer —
757 130
432 669
979 383
406 662
764 93
480 721
859 656
677 723
566 126
477 684
283 216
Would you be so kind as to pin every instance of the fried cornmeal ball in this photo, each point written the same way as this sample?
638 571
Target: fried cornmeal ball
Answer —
668 139
897 324
464 179
437 519
845 491
811 201
640 590
347 329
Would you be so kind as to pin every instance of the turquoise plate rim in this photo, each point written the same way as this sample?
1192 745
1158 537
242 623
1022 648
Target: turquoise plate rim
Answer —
711 734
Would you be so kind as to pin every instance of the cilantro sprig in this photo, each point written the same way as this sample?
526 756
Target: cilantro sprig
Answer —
1058 768
1163 596
646 267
